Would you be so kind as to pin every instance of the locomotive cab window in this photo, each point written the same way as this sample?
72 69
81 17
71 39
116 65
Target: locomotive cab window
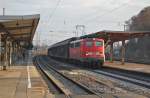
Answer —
98 43
89 43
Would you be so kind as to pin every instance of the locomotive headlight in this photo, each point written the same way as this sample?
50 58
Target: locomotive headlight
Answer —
98 53
89 53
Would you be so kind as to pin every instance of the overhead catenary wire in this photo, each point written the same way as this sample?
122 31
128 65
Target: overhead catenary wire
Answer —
53 12
51 15
107 12
97 10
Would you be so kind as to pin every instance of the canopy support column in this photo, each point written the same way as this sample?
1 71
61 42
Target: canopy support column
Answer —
5 54
111 52
123 53
1 50
10 53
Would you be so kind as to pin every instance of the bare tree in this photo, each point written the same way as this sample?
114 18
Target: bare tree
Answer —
139 48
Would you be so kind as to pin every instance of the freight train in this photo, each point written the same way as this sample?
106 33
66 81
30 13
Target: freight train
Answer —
87 52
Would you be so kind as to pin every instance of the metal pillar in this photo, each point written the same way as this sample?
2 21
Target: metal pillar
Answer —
123 53
5 55
3 11
107 43
18 52
1 50
111 52
15 52
10 53
80 28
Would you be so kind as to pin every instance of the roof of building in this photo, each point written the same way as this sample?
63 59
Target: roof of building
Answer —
115 36
19 28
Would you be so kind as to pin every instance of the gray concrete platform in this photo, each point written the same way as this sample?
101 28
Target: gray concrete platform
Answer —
129 66
22 82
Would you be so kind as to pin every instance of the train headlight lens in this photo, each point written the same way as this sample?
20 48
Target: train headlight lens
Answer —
89 53
98 53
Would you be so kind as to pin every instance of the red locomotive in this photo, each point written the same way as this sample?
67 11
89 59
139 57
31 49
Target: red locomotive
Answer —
87 51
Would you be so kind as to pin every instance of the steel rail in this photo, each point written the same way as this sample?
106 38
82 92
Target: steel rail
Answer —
76 83
100 95
137 80
51 79
85 71
129 73
54 89
123 78
83 87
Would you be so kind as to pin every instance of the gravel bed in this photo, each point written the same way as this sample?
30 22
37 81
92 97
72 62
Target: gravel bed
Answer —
93 84
128 87
117 86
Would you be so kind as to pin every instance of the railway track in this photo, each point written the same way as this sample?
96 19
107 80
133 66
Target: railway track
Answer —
64 84
100 87
48 63
137 78
133 74
51 84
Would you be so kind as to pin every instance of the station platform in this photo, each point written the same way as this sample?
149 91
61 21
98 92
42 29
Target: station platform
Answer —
22 82
129 66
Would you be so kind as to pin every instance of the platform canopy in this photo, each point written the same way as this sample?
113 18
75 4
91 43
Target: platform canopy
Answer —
115 36
19 28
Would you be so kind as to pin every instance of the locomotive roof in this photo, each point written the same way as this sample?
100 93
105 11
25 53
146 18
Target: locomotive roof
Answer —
74 41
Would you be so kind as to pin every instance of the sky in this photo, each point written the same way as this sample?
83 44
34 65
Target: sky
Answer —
59 17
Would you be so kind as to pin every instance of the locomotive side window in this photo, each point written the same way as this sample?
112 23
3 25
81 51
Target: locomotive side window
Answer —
89 43
77 44
72 45
99 43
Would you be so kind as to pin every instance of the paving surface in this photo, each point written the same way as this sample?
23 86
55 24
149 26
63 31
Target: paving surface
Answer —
129 66
14 83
